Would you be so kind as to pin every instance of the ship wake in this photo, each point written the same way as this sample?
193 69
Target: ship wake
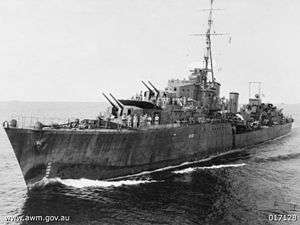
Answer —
81 183
193 169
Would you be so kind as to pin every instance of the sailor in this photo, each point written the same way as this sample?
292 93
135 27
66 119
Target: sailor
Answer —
139 120
183 101
143 120
76 123
159 102
163 102
173 100
180 101
146 118
135 121
124 122
137 96
129 122
112 117
149 120
141 96
156 119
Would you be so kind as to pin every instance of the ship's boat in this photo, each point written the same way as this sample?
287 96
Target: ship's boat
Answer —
185 122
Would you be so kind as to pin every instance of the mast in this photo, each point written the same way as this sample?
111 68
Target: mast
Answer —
208 43
208 55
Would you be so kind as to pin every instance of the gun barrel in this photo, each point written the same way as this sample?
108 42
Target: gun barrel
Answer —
113 105
119 104
157 91
147 87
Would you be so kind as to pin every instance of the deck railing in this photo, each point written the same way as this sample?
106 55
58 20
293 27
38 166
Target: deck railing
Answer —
30 121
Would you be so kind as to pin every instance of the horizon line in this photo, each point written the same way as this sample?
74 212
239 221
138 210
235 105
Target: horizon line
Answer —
72 101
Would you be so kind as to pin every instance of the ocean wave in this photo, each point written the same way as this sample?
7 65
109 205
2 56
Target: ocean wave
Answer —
192 169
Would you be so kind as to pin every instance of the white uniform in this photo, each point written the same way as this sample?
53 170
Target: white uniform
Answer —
135 121
156 120
149 120
143 121
129 121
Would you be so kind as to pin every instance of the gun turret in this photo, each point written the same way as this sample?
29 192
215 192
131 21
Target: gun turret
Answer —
115 109
119 104
156 90
151 92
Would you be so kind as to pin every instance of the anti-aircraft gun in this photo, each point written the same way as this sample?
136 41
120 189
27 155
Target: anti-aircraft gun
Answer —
115 109
156 90
151 92
119 104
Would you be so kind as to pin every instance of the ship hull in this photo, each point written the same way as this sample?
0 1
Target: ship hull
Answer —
107 154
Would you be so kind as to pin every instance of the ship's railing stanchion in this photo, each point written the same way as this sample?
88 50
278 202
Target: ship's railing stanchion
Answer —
30 121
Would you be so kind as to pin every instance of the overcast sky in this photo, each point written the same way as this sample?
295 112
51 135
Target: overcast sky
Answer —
71 50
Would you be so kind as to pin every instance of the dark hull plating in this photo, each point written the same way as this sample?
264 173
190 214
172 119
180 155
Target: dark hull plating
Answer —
105 154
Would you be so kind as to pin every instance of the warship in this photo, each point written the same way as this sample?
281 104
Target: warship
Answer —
186 122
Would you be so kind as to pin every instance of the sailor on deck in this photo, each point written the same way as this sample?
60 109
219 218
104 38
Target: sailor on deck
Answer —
156 119
135 121
124 119
149 120
112 117
129 122
143 119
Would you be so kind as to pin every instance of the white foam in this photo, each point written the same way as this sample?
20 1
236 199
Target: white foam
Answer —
177 166
192 169
81 183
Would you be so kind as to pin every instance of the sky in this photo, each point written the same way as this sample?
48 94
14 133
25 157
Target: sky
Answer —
72 50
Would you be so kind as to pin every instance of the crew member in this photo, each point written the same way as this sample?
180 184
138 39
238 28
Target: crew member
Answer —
143 120
135 121
124 122
129 122
149 120
76 123
156 119
112 117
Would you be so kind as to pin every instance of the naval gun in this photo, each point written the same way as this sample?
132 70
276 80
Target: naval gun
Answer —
155 89
115 109
119 104
151 92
